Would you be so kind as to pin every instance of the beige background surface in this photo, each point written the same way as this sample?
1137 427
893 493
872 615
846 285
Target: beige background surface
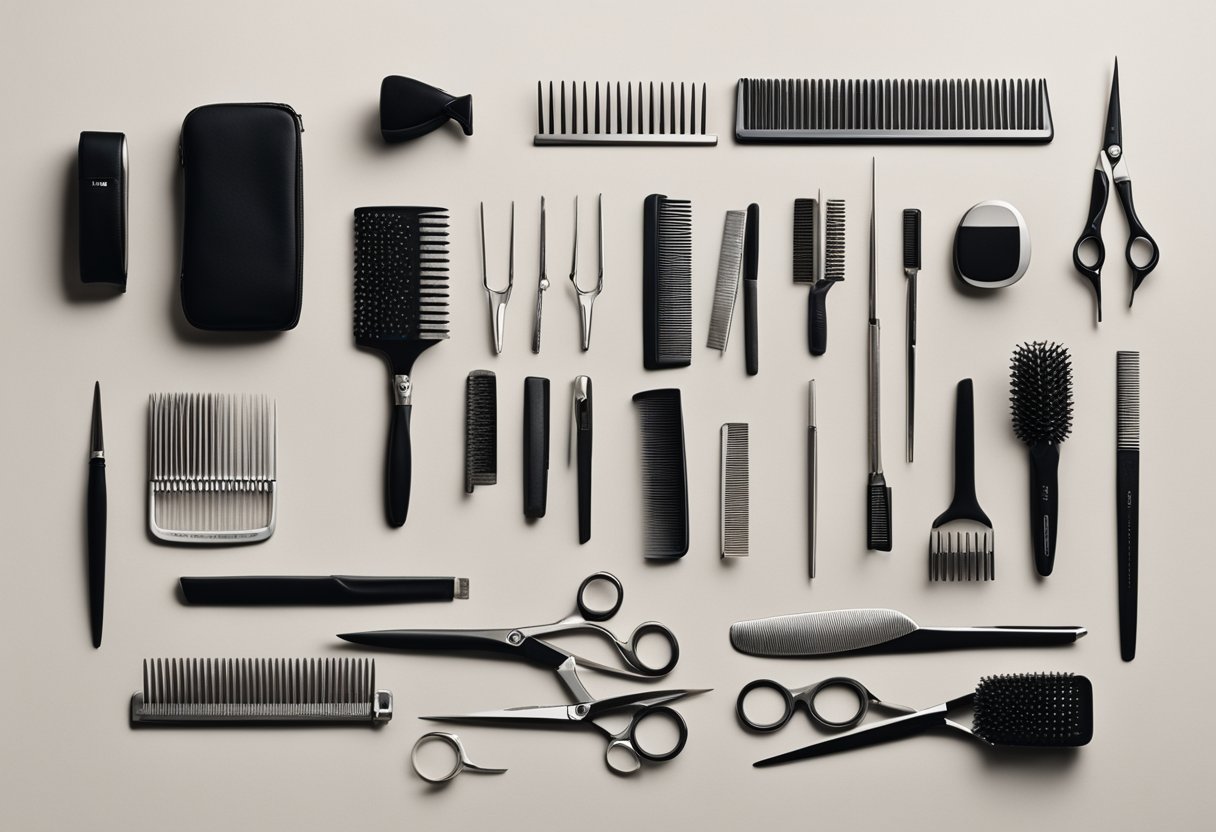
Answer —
70 760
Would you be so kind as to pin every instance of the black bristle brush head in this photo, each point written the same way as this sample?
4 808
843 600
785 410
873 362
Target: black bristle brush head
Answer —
1040 393
911 239
480 430
1046 710
805 241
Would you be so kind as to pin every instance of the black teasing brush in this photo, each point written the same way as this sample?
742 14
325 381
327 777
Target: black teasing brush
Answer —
1050 710
912 238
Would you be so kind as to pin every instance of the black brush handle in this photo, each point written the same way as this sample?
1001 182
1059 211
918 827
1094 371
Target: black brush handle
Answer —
817 317
1044 503
400 465
96 517
1127 512
584 485
751 271
321 590
536 446
965 505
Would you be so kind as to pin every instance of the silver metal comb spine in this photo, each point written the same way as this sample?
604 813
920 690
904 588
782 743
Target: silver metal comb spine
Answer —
735 508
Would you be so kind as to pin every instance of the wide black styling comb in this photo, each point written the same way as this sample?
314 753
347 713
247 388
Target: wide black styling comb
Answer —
409 109
401 308
664 473
666 283
1040 397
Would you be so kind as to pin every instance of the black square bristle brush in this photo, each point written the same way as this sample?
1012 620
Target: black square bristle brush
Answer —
401 308
1040 396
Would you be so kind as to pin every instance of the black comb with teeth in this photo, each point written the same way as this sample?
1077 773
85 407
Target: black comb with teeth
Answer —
480 430
664 473
401 308
1040 395
666 283
659 114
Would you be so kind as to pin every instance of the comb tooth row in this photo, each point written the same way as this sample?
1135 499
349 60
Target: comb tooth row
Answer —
653 114
1040 384
664 473
481 430
806 240
896 110
260 690
726 289
211 468
962 556
667 283
735 486
1127 395
401 253
1034 709
833 244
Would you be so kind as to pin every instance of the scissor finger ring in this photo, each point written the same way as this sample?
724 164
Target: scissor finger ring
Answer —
460 761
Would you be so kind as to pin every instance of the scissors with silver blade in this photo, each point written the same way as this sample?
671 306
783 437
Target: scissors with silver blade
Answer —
625 754
529 643
1089 247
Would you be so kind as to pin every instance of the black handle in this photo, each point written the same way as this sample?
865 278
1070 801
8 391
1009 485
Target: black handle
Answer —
928 638
751 270
965 505
536 446
787 699
811 497
96 515
817 317
663 712
1127 513
1044 503
1092 235
282 590
584 485
400 465
1137 232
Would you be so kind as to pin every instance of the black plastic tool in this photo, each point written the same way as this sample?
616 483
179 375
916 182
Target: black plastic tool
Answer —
666 283
319 590
536 446
96 516
410 108
664 473
751 302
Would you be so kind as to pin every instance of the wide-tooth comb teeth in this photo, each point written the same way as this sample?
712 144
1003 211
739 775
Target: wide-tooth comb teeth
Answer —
481 430
664 473
625 114
726 289
962 556
735 501
260 690
806 254
1127 397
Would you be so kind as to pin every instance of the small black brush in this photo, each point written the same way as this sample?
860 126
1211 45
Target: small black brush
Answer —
818 261
1040 396
480 429
664 473
401 308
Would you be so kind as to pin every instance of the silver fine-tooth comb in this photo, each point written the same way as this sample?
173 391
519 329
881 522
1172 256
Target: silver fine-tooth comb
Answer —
655 114
726 289
212 464
666 282
735 501
181 691
893 110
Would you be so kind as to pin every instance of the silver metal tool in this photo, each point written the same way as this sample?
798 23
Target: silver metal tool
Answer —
812 474
543 281
586 298
878 631
498 299
878 506
911 269
180 691
580 443
734 503
460 761
635 116
211 467
726 288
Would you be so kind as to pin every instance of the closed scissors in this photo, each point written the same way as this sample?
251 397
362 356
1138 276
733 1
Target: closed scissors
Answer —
793 698
625 754
529 644
1089 246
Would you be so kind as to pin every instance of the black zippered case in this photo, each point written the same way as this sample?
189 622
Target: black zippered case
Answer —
243 217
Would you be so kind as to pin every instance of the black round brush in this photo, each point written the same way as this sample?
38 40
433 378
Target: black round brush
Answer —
1040 396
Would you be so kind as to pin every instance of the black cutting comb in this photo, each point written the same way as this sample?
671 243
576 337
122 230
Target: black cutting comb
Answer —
480 429
664 473
666 283
1040 396
401 308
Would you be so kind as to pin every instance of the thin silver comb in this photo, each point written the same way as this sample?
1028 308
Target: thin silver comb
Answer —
211 467
735 506
177 691
726 289
654 115
1127 396
819 633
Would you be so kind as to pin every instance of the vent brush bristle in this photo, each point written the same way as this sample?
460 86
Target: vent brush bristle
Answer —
480 430
1048 710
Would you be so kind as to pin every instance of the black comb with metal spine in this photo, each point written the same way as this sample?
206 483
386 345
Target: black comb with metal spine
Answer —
401 308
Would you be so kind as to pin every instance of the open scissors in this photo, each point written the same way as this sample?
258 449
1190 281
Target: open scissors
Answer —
805 697
624 754
528 644
1089 246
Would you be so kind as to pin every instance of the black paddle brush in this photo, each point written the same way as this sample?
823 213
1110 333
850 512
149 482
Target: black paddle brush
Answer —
1040 396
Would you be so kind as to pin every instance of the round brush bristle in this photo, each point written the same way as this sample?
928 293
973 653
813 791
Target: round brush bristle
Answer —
1040 393
1034 709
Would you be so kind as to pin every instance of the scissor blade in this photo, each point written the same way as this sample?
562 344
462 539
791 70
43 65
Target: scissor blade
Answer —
641 699
888 730
531 713
1114 116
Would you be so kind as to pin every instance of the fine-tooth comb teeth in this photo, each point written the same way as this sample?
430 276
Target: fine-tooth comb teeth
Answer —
654 114
664 473
1127 397
666 283
211 466
734 501
893 110
480 430
726 289
185 691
